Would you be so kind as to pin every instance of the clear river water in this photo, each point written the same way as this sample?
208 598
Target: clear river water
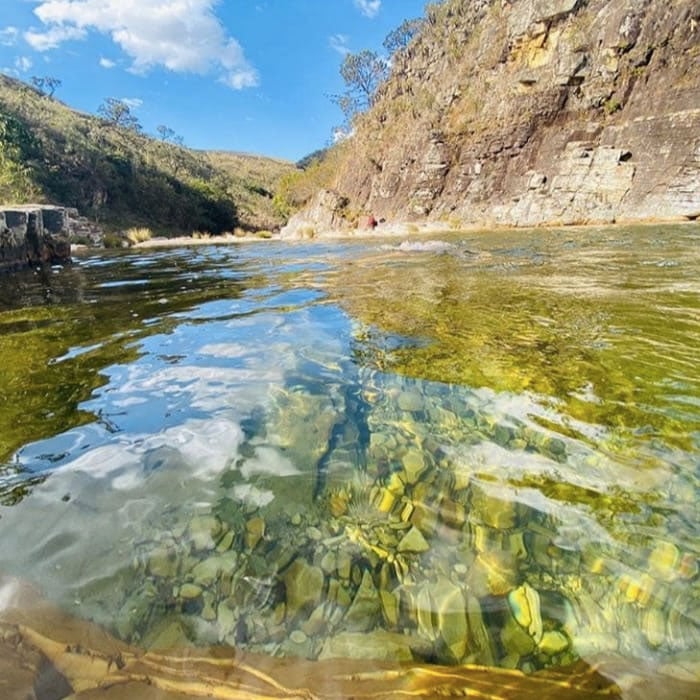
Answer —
472 448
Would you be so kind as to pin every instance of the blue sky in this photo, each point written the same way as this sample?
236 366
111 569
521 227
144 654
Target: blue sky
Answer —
240 75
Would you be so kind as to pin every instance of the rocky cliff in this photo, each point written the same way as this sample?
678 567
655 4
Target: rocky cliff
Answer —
34 235
534 111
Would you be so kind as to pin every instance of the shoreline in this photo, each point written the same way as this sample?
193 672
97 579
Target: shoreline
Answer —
386 230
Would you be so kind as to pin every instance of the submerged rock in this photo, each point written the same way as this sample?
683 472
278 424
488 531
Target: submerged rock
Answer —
304 586
204 531
483 646
163 562
254 532
524 603
410 401
414 465
515 639
169 633
664 560
490 507
390 607
413 542
190 591
450 618
494 572
206 572
365 608
553 642
226 620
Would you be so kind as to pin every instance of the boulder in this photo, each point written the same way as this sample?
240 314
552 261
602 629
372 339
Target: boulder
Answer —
324 212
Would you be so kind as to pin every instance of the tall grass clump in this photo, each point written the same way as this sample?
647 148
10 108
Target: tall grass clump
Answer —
139 235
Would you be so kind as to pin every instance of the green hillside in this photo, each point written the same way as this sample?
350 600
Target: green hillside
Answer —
252 183
120 177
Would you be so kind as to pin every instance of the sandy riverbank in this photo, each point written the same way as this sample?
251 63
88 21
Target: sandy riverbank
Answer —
383 230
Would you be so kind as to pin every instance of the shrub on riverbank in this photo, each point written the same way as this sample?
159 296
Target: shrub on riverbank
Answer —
138 235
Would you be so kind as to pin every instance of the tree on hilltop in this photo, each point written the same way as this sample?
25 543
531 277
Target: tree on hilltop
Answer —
168 135
119 113
46 85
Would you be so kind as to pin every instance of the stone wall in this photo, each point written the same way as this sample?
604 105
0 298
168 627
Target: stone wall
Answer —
34 235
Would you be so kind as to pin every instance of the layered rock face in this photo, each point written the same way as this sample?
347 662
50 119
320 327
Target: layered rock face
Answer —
536 111
33 235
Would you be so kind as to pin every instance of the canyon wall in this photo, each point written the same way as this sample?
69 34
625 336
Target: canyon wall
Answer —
532 112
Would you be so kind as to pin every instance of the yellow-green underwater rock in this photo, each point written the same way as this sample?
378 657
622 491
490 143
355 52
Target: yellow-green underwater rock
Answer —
524 603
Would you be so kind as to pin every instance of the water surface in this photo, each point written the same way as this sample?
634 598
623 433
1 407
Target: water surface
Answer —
482 448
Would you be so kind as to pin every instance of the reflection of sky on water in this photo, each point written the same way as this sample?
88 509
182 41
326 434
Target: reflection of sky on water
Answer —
168 425
221 358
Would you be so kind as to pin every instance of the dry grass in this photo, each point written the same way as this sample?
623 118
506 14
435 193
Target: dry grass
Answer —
253 181
139 235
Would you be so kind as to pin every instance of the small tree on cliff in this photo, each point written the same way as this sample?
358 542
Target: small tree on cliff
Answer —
399 38
362 73
118 112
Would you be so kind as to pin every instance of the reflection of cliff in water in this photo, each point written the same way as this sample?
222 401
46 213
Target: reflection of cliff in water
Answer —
542 314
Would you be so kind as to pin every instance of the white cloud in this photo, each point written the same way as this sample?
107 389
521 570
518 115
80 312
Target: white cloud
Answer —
180 35
132 102
23 63
339 43
53 37
369 8
340 134
107 63
241 79
8 36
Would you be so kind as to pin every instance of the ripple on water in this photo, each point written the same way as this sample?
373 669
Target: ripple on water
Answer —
306 445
